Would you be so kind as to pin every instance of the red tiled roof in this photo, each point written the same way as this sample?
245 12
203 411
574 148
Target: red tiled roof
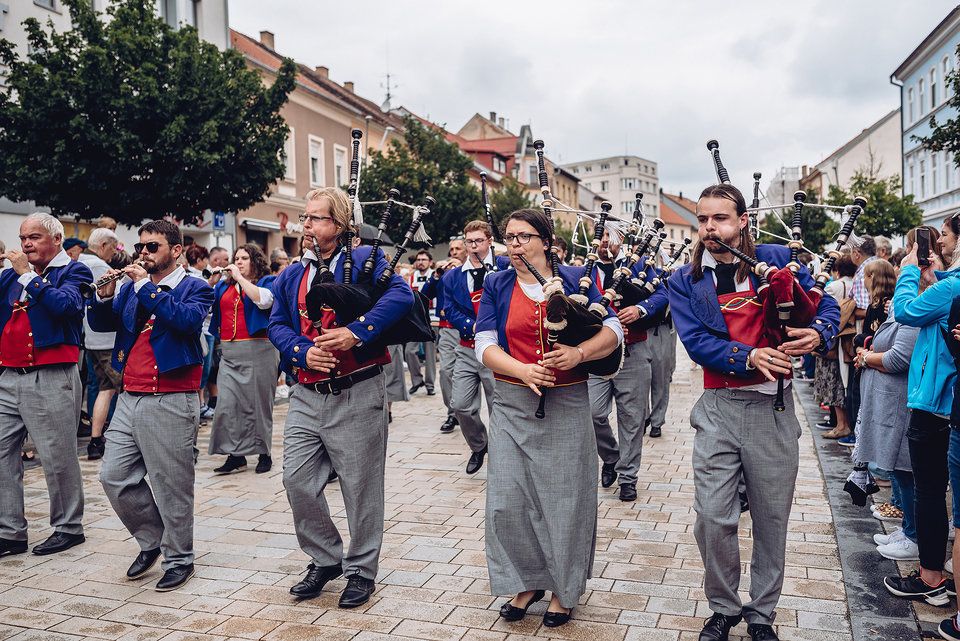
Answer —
669 216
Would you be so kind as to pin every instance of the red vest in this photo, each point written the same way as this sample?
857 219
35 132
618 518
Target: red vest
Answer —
527 338
348 361
16 344
743 314
233 322
140 374
631 334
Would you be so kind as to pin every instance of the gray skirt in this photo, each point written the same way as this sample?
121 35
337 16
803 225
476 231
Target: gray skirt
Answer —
541 511
393 371
243 421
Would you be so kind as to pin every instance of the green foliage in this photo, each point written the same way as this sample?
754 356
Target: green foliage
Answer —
561 230
888 213
128 117
818 229
511 196
427 165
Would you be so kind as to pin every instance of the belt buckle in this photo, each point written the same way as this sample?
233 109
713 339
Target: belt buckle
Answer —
21 370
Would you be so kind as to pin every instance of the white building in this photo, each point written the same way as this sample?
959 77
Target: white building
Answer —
782 187
618 179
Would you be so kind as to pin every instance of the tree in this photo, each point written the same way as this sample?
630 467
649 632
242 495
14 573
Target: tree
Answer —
426 165
511 196
134 119
817 228
887 213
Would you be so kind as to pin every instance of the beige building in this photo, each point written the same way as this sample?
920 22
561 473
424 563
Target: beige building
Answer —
618 179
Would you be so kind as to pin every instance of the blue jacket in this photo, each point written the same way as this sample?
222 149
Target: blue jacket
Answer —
175 338
284 327
256 319
433 290
55 306
703 331
457 306
498 290
932 369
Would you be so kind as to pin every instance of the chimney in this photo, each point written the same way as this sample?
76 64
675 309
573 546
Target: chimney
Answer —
493 116
500 121
266 39
348 86
322 71
681 195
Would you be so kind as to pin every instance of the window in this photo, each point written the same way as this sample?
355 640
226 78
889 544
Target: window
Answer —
289 158
923 179
946 68
628 183
534 176
946 171
672 230
340 171
911 184
576 170
500 165
588 185
910 117
626 162
589 168
922 91
933 173
653 171
604 166
933 88
316 162
628 206
46 4
192 18
604 185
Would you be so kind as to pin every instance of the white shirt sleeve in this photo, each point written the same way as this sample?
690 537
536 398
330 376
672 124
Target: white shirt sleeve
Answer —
266 298
139 284
26 277
482 341
614 323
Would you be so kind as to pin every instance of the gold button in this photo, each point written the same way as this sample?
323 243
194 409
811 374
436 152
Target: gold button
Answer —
732 361
735 349
370 327
538 342
294 359
154 378
733 373
29 333
154 367
819 322
154 295
29 345
361 319
296 348
36 284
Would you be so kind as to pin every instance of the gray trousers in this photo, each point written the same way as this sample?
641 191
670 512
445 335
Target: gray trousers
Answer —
664 340
469 375
153 436
393 376
739 432
346 432
413 363
46 405
447 343
631 390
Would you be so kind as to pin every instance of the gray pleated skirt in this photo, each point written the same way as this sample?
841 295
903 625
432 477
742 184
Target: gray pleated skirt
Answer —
541 516
243 422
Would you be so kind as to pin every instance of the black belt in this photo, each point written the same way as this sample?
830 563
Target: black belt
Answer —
34 368
336 385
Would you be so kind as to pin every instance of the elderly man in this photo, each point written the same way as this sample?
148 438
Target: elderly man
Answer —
41 316
74 247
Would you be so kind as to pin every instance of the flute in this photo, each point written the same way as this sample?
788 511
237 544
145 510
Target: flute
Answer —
88 290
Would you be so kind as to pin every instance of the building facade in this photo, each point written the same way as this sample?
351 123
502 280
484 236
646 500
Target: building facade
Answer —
931 177
617 179
679 216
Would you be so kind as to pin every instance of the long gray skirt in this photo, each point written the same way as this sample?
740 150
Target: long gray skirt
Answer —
243 422
393 371
541 516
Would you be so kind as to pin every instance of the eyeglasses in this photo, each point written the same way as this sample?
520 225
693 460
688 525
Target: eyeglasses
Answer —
151 247
523 239
473 242
314 220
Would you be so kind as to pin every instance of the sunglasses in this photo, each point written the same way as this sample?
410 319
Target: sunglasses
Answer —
151 247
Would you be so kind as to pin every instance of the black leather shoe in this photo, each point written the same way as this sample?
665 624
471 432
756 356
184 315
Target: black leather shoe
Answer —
357 592
142 564
264 464
556 619
95 448
174 578
510 612
476 461
316 578
448 425
58 542
628 491
717 627
431 392
333 476
744 503
762 632
9 547
608 474
413 388
655 432
232 465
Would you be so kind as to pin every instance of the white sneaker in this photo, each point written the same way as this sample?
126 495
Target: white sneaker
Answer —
902 550
884 539
283 391
948 565
206 413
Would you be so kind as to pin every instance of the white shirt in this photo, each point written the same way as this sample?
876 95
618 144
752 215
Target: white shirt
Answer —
193 272
308 260
60 260
92 339
489 262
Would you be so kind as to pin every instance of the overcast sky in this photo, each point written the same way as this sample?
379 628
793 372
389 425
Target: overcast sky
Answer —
776 83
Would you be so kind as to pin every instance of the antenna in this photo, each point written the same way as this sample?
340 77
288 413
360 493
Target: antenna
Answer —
389 86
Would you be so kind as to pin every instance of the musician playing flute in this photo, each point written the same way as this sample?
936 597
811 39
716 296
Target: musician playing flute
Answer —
338 415
631 386
243 424
541 510
721 324
463 288
158 317
41 320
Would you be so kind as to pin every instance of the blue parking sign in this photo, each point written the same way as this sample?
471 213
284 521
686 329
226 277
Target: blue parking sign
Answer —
219 220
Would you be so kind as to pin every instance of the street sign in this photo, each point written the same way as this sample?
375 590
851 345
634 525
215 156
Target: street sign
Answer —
219 221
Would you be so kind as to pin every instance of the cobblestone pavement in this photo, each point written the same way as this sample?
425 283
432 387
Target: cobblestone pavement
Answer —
433 581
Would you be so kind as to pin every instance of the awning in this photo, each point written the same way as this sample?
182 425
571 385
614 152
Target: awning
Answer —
256 223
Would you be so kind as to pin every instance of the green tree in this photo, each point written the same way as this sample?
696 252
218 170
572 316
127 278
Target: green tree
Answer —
128 117
887 213
425 165
817 228
509 198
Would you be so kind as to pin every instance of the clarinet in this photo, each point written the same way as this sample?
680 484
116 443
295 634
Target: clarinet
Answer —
547 205
754 205
859 204
587 279
415 223
356 134
368 265
796 238
497 236
714 148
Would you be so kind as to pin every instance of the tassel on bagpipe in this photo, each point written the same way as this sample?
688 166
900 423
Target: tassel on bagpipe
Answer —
547 205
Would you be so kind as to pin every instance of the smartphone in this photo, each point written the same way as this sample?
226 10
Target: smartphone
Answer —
923 246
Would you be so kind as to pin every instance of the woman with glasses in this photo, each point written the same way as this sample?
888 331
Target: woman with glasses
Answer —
243 424
541 510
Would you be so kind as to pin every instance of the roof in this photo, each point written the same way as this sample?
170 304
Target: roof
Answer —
677 210
900 71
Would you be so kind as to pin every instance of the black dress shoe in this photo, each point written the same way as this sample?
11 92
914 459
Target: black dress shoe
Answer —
357 592
628 491
316 578
142 564
58 542
655 432
717 627
232 465
413 388
333 476
95 448
174 578
510 612
448 425
744 503
762 632
431 392
556 619
608 474
476 461
264 464
10 547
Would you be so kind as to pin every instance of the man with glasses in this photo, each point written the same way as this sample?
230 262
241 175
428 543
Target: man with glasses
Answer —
463 288
338 415
157 317
419 278
41 319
